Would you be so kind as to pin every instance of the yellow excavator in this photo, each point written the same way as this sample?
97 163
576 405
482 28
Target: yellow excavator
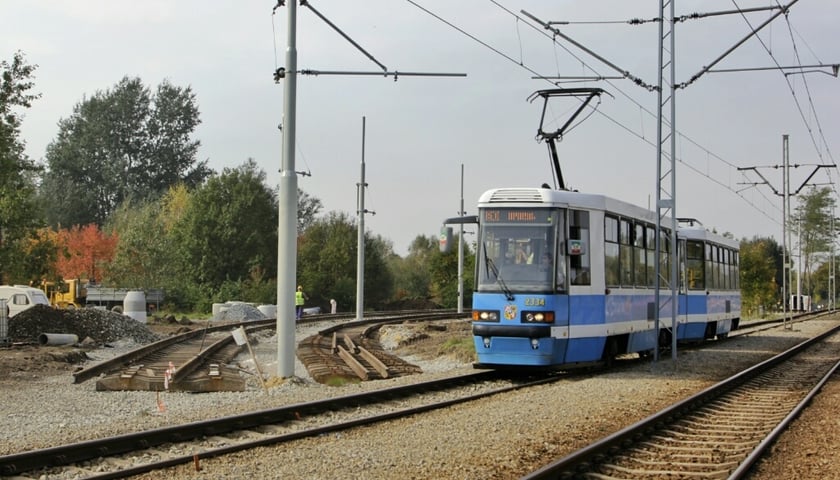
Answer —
65 293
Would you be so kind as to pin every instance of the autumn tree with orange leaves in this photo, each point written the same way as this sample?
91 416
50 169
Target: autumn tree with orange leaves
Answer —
85 252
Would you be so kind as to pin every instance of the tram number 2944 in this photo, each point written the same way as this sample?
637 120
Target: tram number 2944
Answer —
534 302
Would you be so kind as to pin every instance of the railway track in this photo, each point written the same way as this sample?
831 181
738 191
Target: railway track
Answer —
198 361
206 439
195 361
131 454
352 351
718 433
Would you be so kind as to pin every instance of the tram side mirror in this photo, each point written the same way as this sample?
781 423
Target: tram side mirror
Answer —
445 239
575 247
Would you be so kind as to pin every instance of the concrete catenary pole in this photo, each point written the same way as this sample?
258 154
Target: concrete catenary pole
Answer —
360 258
287 223
461 249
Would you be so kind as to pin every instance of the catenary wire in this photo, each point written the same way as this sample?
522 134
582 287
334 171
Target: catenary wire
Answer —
796 99
642 137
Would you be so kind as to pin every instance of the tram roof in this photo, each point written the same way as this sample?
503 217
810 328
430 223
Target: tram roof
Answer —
698 232
529 196
513 197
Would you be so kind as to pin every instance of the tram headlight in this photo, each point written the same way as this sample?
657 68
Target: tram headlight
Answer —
538 317
485 315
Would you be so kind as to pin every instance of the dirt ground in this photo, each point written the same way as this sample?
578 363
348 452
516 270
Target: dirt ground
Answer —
22 361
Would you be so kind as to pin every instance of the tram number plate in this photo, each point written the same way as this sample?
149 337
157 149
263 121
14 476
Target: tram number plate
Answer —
534 302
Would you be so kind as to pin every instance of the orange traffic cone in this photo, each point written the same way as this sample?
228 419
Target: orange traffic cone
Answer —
161 406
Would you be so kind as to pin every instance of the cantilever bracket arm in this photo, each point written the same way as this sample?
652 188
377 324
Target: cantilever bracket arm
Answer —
811 176
764 180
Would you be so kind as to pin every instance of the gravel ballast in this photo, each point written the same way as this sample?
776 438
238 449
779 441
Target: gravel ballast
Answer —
501 437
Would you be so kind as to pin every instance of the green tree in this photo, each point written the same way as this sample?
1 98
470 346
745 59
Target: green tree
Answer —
308 208
820 283
19 216
428 274
123 144
760 264
814 226
145 255
444 275
39 258
327 258
412 278
228 229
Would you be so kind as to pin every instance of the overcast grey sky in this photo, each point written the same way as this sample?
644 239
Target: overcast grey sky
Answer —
421 129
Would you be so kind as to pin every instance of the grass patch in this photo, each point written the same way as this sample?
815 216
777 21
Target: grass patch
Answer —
340 381
461 349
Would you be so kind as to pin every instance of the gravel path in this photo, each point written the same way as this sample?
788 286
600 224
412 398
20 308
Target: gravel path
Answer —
502 437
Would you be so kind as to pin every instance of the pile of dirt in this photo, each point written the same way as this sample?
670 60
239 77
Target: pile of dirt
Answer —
91 325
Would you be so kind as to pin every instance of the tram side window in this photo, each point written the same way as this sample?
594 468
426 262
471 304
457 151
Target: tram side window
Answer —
710 266
579 266
733 275
736 275
694 265
612 266
727 274
650 246
639 255
724 266
726 278
625 252
664 255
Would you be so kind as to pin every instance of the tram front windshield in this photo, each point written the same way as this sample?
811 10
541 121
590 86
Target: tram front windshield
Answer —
518 251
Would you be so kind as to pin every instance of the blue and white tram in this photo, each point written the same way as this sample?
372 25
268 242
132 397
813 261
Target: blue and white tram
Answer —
566 278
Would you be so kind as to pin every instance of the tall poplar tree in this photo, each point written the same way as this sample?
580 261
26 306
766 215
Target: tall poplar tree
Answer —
122 144
813 217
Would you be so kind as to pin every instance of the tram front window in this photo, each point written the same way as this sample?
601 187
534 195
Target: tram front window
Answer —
521 258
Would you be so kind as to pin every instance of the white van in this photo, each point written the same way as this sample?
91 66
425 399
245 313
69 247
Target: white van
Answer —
20 297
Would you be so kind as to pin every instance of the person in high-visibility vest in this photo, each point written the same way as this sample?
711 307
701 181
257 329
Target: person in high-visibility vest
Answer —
300 298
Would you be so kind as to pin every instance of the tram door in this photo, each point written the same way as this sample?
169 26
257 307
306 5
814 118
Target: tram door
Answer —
693 288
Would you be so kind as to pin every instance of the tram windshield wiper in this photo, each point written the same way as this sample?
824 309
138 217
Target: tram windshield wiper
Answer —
489 264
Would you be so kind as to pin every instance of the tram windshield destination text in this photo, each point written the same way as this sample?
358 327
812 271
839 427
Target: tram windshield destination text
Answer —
517 215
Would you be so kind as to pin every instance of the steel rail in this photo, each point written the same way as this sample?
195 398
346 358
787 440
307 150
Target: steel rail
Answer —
65 455
614 442
121 361
116 363
745 466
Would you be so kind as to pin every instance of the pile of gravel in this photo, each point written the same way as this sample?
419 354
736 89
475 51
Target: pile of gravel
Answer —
89 324
239 312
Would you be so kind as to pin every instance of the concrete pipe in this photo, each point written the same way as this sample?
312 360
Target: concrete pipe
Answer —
57 339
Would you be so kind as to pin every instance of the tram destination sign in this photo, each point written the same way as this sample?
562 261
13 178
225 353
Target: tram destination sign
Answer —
516 215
